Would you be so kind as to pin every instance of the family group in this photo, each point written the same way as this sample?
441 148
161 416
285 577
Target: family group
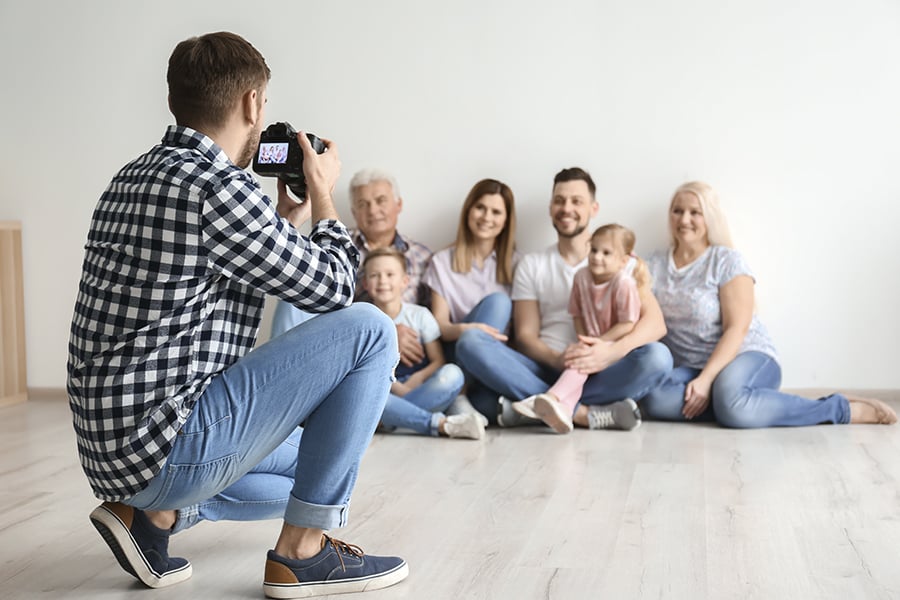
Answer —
179 418
569 336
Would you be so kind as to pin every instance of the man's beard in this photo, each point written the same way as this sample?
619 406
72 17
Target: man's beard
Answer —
575 233
250 148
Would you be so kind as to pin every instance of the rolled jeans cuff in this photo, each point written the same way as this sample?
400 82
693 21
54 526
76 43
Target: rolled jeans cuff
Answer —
186 517
315 516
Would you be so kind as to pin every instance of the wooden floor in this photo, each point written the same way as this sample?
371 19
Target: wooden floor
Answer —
667 511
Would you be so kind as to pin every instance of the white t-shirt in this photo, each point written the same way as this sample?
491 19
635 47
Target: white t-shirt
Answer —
419 319
689 299
462 291
545 277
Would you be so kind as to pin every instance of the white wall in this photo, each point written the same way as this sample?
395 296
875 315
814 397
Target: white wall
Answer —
789 108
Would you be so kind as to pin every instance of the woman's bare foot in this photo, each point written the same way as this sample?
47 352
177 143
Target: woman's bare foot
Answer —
870 410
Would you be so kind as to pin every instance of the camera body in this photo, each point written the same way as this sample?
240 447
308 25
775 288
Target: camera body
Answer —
280 155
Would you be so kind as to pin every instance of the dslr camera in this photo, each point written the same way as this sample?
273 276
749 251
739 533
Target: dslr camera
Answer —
280 155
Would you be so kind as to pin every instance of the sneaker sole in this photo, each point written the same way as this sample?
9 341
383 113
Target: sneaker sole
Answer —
341 586
635 413
551 413
119 539
524 410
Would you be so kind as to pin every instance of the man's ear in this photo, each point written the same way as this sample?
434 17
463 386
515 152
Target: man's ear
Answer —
251 106
595 209
399 204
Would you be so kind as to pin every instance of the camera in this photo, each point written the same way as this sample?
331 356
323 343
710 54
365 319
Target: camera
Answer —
280 155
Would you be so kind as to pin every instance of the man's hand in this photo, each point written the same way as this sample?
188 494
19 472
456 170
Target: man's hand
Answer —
288 208
411 350
320 170
590 355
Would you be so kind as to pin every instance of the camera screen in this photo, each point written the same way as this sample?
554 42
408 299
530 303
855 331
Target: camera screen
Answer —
273 153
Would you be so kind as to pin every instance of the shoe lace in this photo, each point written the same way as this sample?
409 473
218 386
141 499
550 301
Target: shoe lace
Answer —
344 548
601 419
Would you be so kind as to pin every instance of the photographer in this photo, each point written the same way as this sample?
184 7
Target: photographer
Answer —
176 420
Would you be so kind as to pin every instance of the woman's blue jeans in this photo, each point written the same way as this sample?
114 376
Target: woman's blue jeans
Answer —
240 455
494 310
422 409
745 395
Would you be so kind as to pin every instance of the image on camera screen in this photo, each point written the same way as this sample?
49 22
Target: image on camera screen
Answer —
273 153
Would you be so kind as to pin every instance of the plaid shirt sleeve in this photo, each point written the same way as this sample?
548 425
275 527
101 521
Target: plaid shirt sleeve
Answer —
182 249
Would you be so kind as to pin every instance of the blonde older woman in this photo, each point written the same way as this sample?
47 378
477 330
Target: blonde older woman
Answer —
726 367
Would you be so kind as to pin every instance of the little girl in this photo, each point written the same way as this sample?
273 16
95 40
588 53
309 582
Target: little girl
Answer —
605 303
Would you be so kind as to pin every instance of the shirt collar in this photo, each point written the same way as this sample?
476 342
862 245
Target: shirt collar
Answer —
185 137
400 243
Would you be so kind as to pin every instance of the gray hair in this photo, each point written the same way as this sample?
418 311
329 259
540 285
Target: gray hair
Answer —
367 176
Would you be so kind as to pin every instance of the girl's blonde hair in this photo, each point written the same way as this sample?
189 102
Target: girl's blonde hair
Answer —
625 239
504 245
717 232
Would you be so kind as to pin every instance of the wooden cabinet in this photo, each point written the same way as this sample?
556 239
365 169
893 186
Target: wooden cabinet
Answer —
12 315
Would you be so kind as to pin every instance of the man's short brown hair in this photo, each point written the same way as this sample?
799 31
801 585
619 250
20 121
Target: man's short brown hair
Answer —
208 74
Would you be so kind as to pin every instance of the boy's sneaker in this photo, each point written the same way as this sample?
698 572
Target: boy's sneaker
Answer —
462 406
141 548
338 568
553 413
623 414
464 426
508 417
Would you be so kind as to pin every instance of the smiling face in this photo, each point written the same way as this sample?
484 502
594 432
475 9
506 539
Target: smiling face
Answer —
686 221
487 217
375 209
385 279
571 208
606 257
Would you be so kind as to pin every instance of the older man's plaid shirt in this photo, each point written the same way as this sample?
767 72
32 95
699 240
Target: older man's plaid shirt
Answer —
182 248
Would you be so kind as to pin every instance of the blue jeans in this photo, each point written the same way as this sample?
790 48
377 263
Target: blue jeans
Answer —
422 409
240 455
745 395
494 310
286 317
501 371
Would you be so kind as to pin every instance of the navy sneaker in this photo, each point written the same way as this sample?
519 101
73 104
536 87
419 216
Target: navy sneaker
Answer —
141 548
338 568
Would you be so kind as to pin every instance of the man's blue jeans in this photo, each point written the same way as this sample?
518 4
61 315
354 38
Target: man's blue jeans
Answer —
745 395
502 371
240 455
422 409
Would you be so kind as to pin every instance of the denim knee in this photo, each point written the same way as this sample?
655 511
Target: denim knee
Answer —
450 377
469 345
656 363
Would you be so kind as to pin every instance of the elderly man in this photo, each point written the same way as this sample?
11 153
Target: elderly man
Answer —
376 204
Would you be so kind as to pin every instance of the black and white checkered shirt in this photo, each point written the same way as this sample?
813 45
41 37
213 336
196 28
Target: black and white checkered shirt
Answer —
182 248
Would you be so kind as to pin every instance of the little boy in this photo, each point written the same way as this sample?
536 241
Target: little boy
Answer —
421 393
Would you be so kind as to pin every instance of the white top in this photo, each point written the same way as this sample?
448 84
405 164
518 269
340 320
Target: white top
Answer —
689 299
544 276
419 319
463 291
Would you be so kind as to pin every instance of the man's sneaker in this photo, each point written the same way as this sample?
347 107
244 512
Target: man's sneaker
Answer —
508 417
623 414
338 568
462 406
141 548
464 426
553 413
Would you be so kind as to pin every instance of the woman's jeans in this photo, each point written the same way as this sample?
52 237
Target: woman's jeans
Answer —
422 409
240 455
745 395
494 310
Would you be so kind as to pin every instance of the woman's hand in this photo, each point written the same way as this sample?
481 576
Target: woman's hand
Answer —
696 397
491 331
590 355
